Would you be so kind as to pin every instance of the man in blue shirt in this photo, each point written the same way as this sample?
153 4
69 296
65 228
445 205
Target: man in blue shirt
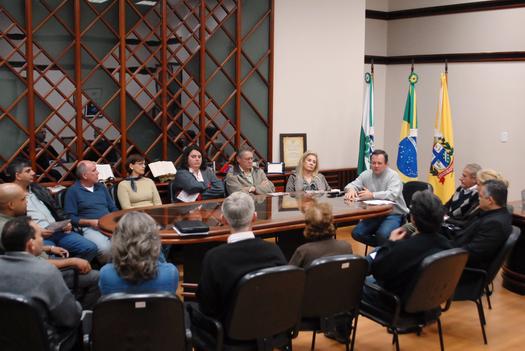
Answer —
86 202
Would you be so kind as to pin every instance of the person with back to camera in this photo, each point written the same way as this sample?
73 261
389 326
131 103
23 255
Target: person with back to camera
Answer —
194 180
397 261
320 234
306 176
135 251
137 190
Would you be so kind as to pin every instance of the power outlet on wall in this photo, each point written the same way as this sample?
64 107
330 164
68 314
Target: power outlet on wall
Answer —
504 136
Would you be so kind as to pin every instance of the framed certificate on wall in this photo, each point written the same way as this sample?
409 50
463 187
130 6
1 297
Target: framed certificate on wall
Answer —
292 147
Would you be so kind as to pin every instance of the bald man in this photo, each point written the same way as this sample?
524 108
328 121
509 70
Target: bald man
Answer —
13 204
86 202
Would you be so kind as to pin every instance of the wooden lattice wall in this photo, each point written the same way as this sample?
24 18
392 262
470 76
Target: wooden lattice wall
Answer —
80 80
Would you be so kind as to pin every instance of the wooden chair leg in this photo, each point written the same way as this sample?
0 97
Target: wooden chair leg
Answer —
313 340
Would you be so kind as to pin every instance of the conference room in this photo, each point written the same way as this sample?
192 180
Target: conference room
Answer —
438 83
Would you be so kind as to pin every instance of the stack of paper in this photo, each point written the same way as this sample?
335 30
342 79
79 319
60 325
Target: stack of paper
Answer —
105 172
162 168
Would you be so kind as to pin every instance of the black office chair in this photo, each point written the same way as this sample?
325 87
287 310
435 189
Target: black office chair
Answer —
22 326
333 286
138 322
61 198
475 283
265 310
113 192
409 188
433 286
171 188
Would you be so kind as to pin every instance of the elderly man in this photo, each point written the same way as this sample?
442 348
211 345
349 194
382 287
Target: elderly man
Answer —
24 274
42 208
244 177
224 265
86 202
486 234
380 182
461 208
13 204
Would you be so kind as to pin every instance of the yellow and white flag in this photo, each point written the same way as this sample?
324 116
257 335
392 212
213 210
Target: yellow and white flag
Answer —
442 165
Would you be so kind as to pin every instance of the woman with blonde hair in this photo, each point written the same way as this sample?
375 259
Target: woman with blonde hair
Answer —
306 176
320 234
136 268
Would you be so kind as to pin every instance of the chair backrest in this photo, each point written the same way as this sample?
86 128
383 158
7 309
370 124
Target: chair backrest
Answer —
21 325
333 284
113 192
496 264
171 187
138 322
266 302
436 280
409 188
61 198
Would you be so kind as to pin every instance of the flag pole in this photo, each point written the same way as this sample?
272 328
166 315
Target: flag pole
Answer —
412 67
446 66
372 67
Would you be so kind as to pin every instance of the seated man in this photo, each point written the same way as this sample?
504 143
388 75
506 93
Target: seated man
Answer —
461 207
41 281
225 265
380 182
13 204
86 202
486 234
42 208
244 177
397 261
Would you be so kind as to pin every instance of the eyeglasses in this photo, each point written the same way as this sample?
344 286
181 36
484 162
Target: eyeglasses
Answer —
144 164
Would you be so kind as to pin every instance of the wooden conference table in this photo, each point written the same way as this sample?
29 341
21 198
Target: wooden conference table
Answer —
277 216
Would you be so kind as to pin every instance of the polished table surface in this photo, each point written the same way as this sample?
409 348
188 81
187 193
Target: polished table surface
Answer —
274 214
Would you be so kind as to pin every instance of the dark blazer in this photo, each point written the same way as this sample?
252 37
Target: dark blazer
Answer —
397 262
224 265
45 196
210 188
484 237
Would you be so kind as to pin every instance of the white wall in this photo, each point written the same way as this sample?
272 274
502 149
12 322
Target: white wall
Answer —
486 98
318 76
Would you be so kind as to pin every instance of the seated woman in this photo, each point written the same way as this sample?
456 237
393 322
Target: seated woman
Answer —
194 181
136 268
137 190
306 176
320 232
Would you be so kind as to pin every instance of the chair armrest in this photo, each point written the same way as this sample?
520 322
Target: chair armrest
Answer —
207 324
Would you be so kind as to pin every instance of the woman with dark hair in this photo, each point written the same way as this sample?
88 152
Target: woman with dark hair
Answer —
137 190
135 267
194 181
306 176
320 234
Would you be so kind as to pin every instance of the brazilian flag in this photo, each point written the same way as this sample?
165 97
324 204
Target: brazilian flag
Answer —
407 151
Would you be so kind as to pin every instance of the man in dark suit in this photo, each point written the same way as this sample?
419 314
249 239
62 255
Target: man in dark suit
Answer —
485 235
226 264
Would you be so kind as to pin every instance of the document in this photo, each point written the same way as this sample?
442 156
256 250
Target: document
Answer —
162 168
104 172
378 202
185 197
60 225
